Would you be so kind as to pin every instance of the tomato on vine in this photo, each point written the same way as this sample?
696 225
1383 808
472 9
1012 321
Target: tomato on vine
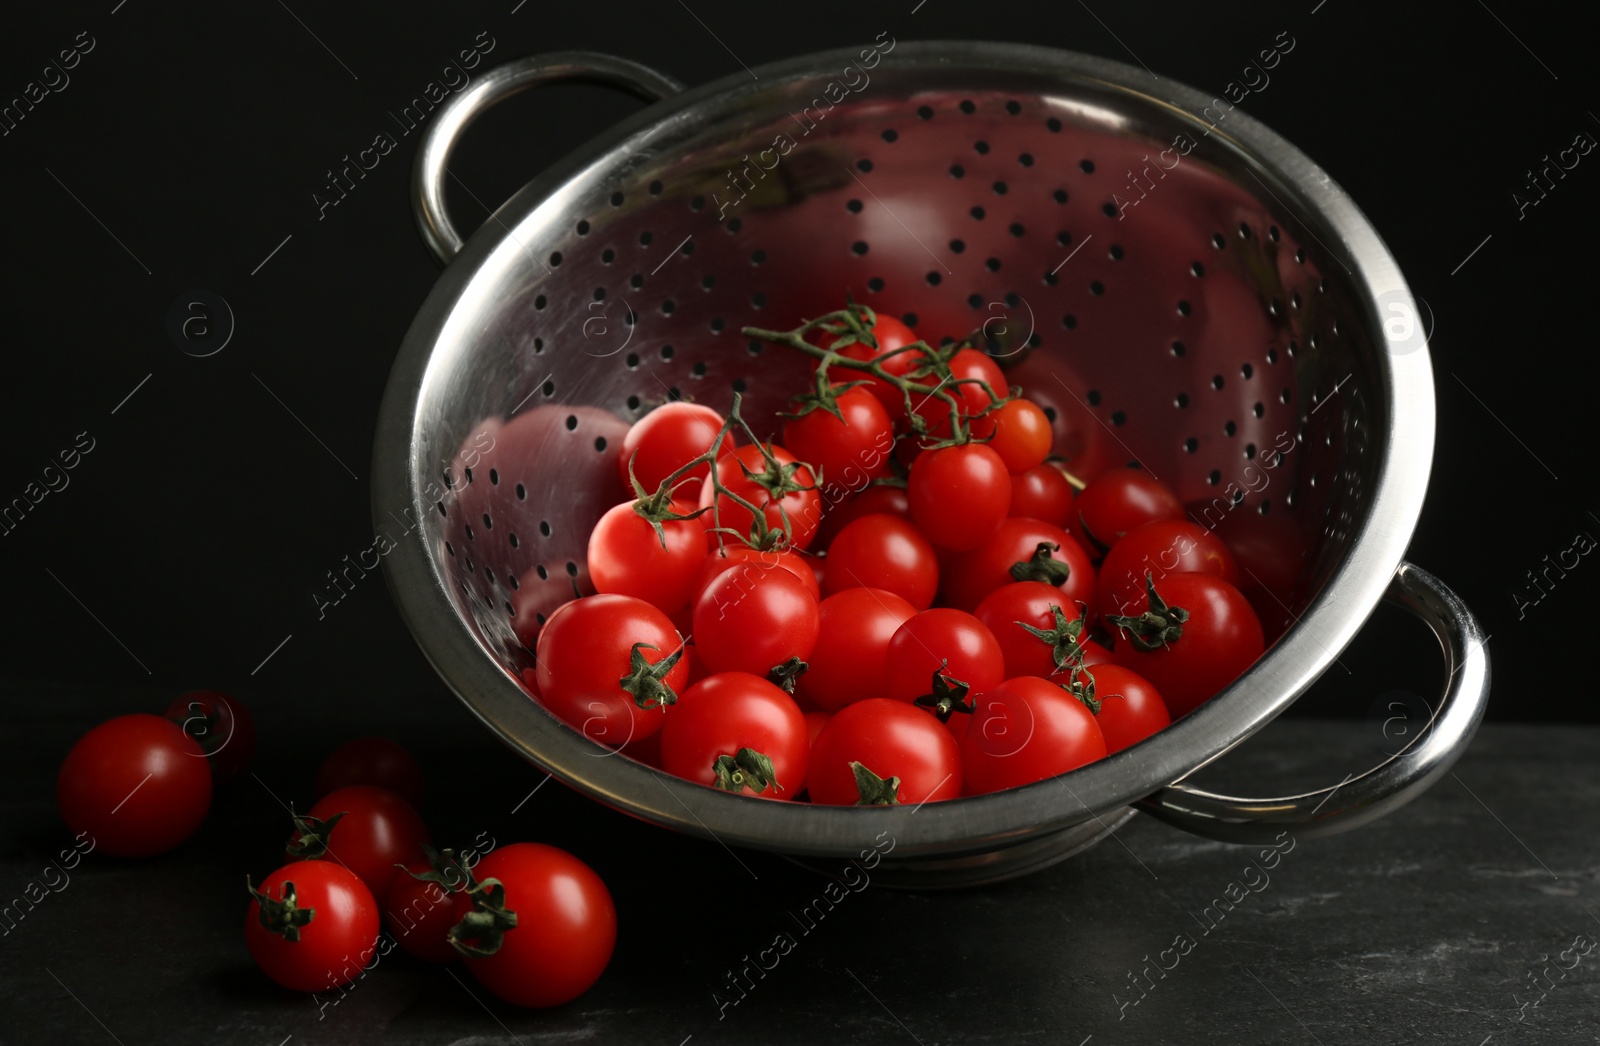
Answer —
668 438
629 556
845 436
784 490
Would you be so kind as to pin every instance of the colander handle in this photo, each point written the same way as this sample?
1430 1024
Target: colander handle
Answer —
1358 800
496 85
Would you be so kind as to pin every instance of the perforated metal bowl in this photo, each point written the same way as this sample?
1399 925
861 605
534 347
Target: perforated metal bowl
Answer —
1201 298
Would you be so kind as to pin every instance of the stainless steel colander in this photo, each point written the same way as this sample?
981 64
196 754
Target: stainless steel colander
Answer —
1178 284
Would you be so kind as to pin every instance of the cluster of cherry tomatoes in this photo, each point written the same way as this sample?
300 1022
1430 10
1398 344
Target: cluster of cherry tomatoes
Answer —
533 923
897 602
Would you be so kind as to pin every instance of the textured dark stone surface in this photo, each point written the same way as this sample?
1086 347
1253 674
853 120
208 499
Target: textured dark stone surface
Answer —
1420 928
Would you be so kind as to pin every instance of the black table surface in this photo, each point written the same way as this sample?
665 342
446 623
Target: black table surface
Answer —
1433 925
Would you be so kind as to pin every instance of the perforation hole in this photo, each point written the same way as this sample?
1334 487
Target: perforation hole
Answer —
859 247
1060 196
980 147
889 134
522 492
925 112
864 165
1086 166
958 246
1181 400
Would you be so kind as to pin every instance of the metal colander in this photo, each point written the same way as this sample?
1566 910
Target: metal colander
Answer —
1177 286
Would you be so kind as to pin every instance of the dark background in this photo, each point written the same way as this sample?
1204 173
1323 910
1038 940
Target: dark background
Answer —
190 539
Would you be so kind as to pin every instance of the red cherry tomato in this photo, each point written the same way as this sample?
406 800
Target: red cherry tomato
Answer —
222 726
967 367
968 578
420 914
137 785
890 335
1043 493
1116 502
958 495
1165 546
891 740
628 557
1219 640
801 508
584 651
725 713
668 438
372 761
322 933
849 662
378 831
1025 730
1033 603
1022 435
737 555
876 498
953 643
886 552
1129 708
754 620
847 453
566 926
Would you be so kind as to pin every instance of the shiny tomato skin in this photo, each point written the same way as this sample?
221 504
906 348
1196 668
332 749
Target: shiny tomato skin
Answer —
846 451
585 649
849 662
735 555
1130 708
222 726
959 495
1025 730
966 366
627 556
968 578
732 710
1121 500
1043 493
887 552
566 926
754 620
372 761
668 438
137 785
1028 602
1022 435
874 499
1221 639
925 642
378 831
335 946
891 739
1159 548
802 508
